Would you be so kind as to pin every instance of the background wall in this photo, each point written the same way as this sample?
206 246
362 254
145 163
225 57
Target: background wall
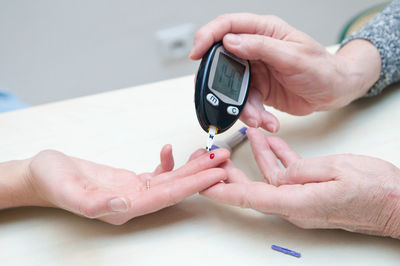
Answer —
52 50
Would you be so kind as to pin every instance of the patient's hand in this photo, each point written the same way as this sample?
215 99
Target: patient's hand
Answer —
116 195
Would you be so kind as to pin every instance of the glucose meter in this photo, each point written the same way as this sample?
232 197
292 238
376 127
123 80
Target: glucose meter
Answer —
221 89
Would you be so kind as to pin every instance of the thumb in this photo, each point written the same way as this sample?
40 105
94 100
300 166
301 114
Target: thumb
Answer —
274 52
100 204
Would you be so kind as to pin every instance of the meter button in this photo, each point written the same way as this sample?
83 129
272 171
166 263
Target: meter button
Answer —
211 98
232 110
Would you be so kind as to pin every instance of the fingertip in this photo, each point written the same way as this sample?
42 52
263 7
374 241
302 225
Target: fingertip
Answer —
223 153
219 155
250 115
193 54
200 45
270 122
271 127
166 158
251 132
167 148
251 122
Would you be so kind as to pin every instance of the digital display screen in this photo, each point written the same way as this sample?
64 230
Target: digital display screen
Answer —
228 77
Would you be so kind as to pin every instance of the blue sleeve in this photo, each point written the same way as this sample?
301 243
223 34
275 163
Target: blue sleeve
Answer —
9 102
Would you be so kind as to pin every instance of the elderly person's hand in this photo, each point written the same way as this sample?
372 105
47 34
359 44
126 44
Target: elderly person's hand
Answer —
289 70
351 192
53 179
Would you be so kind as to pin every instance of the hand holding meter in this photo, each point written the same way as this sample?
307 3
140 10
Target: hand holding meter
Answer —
221 90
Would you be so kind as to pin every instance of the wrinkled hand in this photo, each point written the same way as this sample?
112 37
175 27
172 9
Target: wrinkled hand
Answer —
351 192
116 195
289 70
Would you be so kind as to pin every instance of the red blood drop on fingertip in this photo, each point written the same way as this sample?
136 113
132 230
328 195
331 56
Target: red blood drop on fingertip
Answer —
212 155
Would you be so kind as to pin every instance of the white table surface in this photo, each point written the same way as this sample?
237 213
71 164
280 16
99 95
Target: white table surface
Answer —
127 128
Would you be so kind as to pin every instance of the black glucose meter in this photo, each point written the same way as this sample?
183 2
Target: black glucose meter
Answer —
221 89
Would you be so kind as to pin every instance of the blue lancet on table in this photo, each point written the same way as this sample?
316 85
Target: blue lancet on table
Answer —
286 251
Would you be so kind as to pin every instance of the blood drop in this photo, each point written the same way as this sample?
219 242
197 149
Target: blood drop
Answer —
212 155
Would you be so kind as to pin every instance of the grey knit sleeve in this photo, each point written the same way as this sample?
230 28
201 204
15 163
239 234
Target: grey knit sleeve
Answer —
384 32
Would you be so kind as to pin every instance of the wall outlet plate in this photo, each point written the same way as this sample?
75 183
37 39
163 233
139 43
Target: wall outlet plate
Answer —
175 43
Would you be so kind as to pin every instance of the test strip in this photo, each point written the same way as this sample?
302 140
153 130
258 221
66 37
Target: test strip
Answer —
286 251
210 139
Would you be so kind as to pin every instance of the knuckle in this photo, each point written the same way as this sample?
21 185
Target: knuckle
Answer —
272 18
46 154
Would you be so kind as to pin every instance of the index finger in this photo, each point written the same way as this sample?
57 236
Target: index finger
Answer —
265 158
203 162
215 30
193 166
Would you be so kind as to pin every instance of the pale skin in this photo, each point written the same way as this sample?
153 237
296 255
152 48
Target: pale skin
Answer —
53 179
351 192
293 73
289 70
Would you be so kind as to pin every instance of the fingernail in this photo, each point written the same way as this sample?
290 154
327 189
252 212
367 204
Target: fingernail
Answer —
253 123
233 39
118 205
271 128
